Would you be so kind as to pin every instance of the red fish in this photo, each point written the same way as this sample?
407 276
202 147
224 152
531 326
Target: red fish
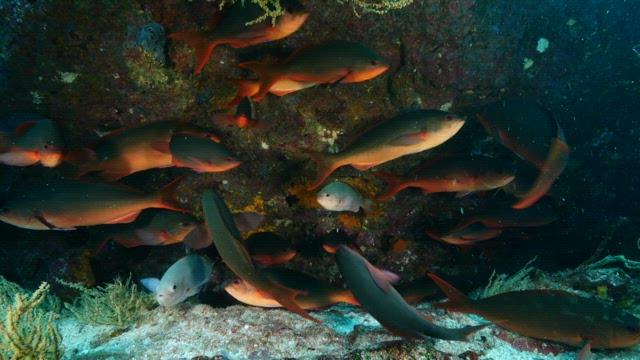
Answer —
551 315
476 173
532 133
328 63
235 28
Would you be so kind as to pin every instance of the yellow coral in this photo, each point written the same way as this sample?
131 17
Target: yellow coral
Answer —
28 333
119 303
272 10
376 6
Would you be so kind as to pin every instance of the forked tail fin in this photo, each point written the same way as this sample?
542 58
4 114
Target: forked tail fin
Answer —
326 166
394 185
268 74
166 196
286 297
552 167
457 300
463 334
201 47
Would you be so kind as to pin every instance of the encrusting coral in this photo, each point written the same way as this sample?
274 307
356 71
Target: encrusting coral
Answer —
28 332
118 304
273 8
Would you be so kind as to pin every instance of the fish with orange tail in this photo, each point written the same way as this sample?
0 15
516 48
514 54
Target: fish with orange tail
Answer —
35 140
249 88
491 224
531 132
406 134
133 149
463 176
332 62
551 315
228 242
234 27
67 204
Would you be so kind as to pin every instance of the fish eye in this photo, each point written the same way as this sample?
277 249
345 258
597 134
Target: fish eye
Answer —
230 158
449 117
327 195
236 282
374 62
46 146
174 287
184 224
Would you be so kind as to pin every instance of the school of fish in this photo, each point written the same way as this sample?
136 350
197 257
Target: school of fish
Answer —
91 196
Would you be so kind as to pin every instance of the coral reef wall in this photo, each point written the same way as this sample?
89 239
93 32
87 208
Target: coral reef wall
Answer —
96 65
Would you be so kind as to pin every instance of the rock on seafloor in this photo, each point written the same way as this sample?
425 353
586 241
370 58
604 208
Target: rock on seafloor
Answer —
240 332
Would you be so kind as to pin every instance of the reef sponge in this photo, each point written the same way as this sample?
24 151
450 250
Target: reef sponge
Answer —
118 304
28 332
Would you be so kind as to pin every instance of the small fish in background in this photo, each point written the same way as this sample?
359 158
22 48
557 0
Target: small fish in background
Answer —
491 224
373 288
32 142
154 228
68 204
332 62
243 118
552 315
268 249
466 236
532 133
233 27
182 280
129 150
405 134
228 241
317 294
200 154
338 196
462 176
249 88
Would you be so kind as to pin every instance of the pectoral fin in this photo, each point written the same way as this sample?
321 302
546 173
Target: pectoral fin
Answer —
150 284
44 222
286 297
126 218
585 351
409 139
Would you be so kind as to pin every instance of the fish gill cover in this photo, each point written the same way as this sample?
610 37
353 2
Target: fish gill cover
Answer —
119 98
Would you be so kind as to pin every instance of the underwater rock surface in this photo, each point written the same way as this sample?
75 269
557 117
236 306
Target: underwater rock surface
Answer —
240 332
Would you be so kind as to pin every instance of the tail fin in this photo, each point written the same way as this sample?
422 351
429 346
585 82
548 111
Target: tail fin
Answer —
463 334
201 46
394 185
286 297
245 88
166 196
268 74
326 166
552 167
457 300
